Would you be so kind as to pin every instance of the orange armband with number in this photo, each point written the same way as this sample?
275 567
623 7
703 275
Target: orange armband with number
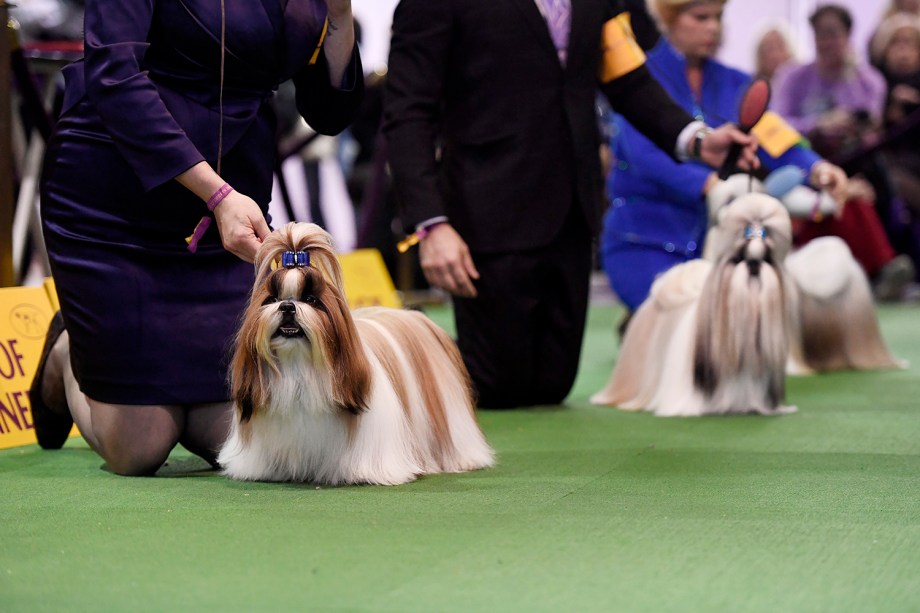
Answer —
775 135
621 53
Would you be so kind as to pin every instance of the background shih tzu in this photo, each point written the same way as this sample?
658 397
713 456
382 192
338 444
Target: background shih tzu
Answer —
837 325
718 335
834 325
712 337
325 395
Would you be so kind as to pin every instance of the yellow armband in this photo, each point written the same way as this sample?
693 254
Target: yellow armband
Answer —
775 135
621 53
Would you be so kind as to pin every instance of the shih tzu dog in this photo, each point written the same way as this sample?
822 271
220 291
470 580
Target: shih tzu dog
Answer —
326 395
718 335
837 325
712 337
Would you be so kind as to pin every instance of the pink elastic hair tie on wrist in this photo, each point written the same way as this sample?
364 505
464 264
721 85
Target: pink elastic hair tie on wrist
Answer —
205 221
219 195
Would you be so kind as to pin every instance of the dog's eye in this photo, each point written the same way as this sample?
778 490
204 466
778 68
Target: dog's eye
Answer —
313 301
269 300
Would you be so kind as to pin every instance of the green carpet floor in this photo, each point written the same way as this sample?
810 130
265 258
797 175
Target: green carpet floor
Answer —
589 509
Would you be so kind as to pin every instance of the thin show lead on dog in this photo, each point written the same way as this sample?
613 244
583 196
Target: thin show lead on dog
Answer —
327 395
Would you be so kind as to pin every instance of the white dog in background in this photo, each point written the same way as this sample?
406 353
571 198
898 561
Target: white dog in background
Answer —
718 335
325 395
713 335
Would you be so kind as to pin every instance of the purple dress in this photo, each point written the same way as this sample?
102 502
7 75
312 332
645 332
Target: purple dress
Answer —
149 322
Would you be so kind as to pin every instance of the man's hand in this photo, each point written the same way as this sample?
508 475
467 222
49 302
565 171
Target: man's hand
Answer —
716 144
447 263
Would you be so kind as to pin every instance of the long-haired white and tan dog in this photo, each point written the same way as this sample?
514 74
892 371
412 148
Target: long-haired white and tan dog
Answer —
329 396
718 335
712 336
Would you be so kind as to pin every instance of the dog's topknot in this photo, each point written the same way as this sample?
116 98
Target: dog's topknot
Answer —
296 236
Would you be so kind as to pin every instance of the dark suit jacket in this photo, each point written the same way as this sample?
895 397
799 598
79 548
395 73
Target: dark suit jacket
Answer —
517 132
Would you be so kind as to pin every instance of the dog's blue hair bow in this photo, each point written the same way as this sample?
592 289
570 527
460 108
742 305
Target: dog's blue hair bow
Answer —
755 232
295 259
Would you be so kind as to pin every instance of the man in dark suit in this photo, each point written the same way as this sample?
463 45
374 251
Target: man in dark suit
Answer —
489 113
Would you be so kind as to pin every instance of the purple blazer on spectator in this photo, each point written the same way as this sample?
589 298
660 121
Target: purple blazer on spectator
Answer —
801 95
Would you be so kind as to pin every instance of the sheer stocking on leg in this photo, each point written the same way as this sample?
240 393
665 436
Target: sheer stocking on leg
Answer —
206 429
133 440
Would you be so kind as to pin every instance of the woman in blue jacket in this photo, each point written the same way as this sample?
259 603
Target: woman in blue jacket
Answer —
658 215
168 110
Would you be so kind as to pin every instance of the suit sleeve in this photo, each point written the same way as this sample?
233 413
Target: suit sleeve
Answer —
328 109
127 101
633 91
413 96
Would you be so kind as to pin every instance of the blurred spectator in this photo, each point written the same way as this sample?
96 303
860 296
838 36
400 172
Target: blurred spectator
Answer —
773 50
835 94
896 52
910 7
309 182
837 102
49 19
896 49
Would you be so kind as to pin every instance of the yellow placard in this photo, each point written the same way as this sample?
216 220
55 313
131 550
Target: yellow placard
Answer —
367 282
621 53
25 314
52 294
775 135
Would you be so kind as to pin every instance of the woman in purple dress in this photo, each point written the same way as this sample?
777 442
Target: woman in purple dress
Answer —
168 110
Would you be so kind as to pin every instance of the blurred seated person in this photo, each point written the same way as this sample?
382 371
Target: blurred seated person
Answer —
772 52
837 102
53 20
908 7
835 91
896 51
658 215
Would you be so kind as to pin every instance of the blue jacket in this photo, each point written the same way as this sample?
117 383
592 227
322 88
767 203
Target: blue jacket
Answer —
656 202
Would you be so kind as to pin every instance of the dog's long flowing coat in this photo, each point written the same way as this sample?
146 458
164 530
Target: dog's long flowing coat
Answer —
719 335
327 395
712 336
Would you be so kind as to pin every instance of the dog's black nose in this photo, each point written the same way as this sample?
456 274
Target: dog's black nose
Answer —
287 307
753 267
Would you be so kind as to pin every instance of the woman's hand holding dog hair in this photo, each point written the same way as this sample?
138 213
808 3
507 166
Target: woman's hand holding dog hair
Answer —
240 221
241 225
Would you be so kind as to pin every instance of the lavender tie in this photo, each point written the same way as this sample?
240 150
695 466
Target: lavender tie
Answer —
558 14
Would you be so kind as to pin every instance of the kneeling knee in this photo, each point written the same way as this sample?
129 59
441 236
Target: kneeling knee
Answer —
136 458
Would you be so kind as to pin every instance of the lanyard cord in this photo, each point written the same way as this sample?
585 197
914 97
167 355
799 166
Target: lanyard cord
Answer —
205 221
220 95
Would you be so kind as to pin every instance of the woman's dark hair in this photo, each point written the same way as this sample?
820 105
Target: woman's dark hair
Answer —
835 10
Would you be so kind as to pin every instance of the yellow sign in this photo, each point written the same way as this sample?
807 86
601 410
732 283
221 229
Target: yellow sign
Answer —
25 313
52 294
367 282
